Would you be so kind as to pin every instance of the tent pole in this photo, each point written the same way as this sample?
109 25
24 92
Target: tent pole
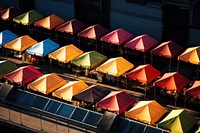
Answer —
79 42
154 92
197 72
50 65
175 100
151 59
178 66
170 61
126 52
102 47
44 65
144 58
185 101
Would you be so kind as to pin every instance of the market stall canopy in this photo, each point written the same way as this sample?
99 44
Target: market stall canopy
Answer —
178 121
93 32
115 66
21 43
71 27
6 36
66 54
23 75
70 89
191 55
118 37
9 13
89 59
28 18
117 101
92 94
194 90
1 8
5 89
172 81
43 48
6 67
146 111
143 73
141 43
49 22
47 83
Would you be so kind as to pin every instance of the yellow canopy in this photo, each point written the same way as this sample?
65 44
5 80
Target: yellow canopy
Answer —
66 53
70 89
146 111
47 83
21 43
115 66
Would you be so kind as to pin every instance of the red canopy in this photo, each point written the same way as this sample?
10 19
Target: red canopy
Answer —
93 32
71 27
167 49
143 73
194 90
9 13
117 101
23 75
117 37
172 81
141 43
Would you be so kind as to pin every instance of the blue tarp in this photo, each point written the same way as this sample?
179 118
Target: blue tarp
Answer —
43 48
6 36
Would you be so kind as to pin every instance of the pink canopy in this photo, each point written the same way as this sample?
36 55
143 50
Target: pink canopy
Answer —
194 90
9 13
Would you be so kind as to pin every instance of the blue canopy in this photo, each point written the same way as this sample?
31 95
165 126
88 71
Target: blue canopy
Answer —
43 48
6 36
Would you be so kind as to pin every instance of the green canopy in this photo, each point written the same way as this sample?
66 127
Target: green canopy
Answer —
28 18
89 59
6 67
178 121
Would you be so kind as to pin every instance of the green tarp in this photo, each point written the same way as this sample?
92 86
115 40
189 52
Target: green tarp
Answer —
6 67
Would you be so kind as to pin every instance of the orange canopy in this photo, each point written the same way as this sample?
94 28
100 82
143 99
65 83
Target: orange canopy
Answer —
194 90
172 81
49 22
146 111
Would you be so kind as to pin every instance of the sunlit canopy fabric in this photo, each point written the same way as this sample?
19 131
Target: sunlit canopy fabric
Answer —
172 81
146 111
167 49
178 121
194 90
23 75
118 36
6 67
93 32
70 89
66 54
21 43
117 101
43 48
143 73
141 43
49 22
191 55
6 36
71 27
115 66
47 83
92 94
28 18
9 13
89 59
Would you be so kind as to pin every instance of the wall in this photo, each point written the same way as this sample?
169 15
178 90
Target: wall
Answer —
8 3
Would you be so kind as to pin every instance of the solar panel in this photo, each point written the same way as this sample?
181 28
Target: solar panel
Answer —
27 99
79 114
39 102
93 118
152 130
15 95
121 125
52 106
136 127
65 110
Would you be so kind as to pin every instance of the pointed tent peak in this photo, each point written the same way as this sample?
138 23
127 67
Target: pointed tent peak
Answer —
9 13
6 36
194 90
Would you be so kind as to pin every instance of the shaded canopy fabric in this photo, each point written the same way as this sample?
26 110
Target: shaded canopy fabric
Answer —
71 27
143 73
21 43
146 111
70 89
93 32
9 13
194 90
28 18
43 48
49 22
117 101
23 75
66 54
141 43
191 55
118 36
6 36
167 49
5 89
172 81
178 121
115 66
6 67
47 83
92 94
89 59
